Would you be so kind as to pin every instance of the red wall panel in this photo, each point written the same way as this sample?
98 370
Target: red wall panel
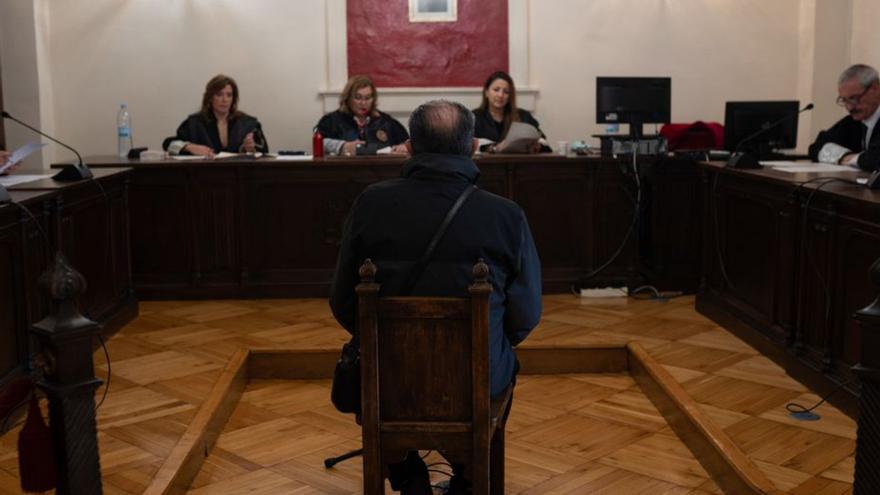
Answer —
394 52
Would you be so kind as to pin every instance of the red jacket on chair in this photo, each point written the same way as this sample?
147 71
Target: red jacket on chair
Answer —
697 135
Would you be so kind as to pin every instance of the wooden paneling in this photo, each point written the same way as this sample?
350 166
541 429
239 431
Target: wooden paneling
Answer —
87 221
557 201
12 296
90 225
670 236
272 229
796 257
293 227
754 228
162 245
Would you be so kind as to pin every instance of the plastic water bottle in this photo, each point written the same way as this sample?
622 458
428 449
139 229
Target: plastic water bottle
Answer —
123 131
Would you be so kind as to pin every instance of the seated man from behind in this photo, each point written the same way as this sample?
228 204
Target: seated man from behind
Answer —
392 223
854 139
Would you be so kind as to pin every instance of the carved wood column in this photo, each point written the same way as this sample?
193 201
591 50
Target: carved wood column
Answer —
66 338
867 476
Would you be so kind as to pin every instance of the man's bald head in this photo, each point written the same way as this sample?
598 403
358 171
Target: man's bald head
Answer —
441 126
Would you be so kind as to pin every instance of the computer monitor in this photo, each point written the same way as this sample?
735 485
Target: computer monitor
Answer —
634 101
745 118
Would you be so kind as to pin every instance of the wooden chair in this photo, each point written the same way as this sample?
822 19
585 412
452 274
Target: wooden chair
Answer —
425 381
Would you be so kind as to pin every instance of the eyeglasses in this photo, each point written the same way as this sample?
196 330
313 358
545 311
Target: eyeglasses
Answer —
853 100
358 97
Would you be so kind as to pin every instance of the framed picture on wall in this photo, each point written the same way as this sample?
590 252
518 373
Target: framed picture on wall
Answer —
433 10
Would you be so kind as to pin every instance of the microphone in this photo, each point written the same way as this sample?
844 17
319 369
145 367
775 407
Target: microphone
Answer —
259 137
741 159
68 172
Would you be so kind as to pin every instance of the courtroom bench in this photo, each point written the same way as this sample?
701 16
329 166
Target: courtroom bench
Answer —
87 221
267 228
786 264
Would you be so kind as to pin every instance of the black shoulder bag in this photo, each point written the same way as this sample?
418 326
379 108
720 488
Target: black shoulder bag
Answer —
346 391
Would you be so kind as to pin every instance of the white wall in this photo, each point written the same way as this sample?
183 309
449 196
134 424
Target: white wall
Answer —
714 51
21 81
158 55
832 56
67 64
865 33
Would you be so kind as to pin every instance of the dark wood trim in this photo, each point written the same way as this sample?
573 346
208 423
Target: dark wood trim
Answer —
729 467
183 463
723 460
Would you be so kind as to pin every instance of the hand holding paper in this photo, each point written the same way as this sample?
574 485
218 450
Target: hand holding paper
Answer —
521 138
17 156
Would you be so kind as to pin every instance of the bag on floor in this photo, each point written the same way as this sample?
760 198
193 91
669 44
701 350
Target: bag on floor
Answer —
346 391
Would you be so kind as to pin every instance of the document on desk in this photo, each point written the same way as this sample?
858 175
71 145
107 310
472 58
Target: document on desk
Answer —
795 167
12 180
223 155
20 154
188 158
293 158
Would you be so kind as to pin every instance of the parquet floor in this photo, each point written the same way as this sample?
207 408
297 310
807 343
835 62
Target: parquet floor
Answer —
567 434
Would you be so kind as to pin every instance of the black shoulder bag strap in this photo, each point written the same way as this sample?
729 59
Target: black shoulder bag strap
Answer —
419 267
345 392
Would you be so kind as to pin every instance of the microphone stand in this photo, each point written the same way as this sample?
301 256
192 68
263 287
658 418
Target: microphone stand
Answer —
68 173
746 160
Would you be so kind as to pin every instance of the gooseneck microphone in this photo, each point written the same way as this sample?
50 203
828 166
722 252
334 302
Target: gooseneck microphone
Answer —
741 159
68 172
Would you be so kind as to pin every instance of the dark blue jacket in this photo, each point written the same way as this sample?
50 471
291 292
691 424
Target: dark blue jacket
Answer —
393 221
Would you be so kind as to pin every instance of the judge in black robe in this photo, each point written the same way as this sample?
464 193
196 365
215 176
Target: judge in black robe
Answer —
358 125
498 111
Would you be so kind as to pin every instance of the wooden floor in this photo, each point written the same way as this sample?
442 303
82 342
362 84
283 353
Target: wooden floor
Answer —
567 434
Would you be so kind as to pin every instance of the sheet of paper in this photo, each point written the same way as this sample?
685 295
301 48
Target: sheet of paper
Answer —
817 167
225 154
520 138
11 180
293 158
20 154
785 163
188 158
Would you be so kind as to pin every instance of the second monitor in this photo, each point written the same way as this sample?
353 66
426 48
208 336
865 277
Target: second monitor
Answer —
760 127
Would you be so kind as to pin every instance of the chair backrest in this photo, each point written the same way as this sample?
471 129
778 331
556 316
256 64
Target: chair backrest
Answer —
424 365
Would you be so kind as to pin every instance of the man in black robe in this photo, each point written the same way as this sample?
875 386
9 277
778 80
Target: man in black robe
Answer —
854 140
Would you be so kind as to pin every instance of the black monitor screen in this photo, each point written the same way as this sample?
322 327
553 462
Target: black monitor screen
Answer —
744 118
633 100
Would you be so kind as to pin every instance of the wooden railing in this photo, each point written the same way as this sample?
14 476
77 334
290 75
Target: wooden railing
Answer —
66 341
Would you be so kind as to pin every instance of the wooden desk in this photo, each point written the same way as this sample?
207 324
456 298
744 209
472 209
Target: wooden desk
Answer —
266 228
788 262
90 228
